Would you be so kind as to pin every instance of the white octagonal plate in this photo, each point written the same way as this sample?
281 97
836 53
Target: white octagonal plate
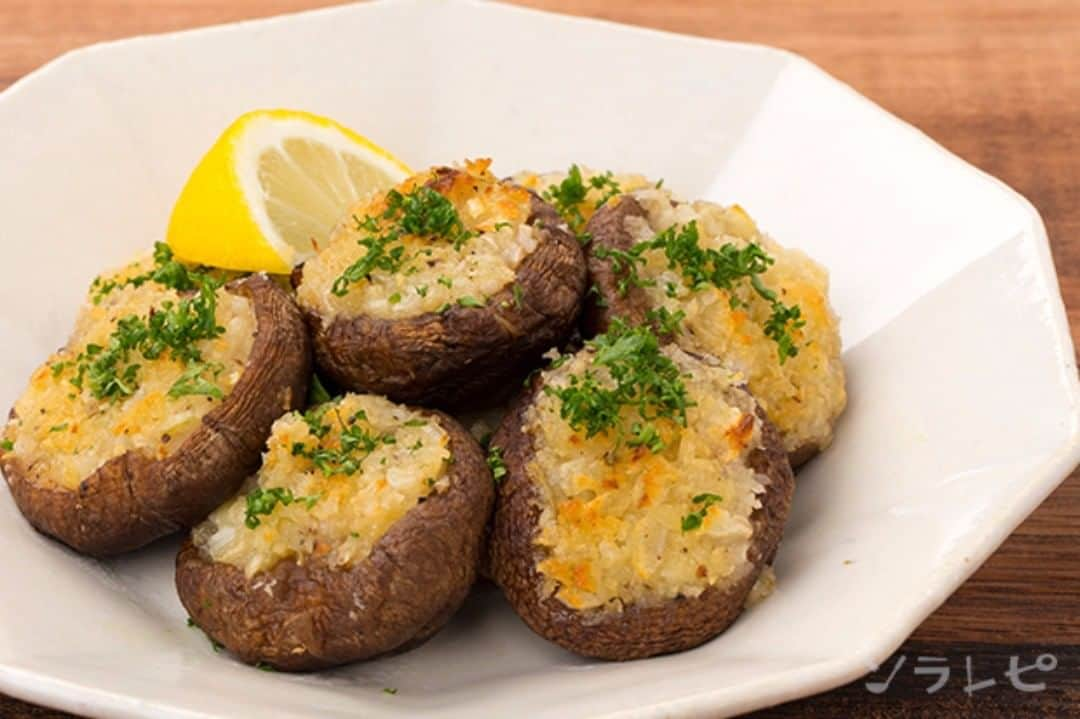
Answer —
963 383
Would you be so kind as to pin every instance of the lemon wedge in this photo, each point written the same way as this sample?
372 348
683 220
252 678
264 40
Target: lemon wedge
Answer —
272 187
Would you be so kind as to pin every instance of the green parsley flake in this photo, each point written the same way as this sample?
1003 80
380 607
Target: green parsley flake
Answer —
569 197
644 379
377 257
665 321
317 392
167 272
192 382
264 501
496 463
354 442
313 419
693 521
422 212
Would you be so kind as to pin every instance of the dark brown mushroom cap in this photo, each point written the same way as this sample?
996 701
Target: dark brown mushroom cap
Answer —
300 617
638 630
607 228
134 499
465 356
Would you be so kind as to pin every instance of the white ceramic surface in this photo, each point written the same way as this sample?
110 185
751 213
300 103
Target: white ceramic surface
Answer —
963 386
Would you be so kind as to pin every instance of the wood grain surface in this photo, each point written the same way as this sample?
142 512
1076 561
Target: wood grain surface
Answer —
997 82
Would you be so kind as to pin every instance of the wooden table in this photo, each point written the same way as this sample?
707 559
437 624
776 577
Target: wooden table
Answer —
996 81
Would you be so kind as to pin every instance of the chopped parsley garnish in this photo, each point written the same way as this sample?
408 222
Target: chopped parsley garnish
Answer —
416 423
7 445
394 298
645 435
167 271
368 223
693 520
518 293
264 501
389 690
569 197
607 186
58 427
421 290
377 257
173 328
445 281
317 392
496 464
353 446
642 379
707 267
421 212
468 301
192 382
594 290
424 212
356 445
666 321
624 264
313 419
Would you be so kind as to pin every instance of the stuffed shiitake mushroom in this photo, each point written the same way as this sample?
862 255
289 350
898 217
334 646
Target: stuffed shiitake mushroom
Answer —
359 535
157 408
727 290
441 289
642 493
